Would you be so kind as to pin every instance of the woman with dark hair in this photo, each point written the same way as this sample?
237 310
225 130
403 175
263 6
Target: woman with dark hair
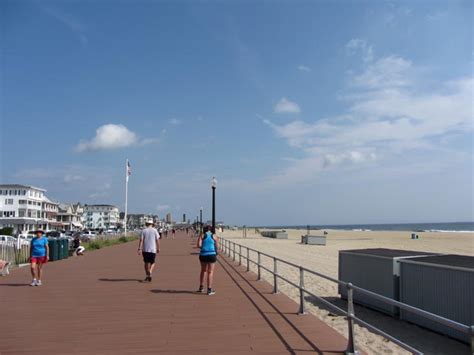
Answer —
39 255
207 242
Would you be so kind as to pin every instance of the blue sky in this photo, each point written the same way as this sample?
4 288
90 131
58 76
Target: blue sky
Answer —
314 112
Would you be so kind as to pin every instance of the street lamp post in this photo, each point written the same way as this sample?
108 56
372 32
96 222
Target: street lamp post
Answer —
200 220
213 185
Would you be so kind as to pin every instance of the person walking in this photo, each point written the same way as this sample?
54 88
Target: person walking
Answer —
39 251
148 247
173 233
207 242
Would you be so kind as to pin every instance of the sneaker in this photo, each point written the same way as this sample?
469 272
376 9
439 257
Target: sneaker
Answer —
210 292
38 283
146 279
33 283
149 278
200 289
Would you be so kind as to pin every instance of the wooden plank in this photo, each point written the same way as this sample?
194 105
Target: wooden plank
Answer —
97 304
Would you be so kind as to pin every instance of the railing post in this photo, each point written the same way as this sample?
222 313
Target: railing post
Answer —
233 251
248 260
472 339
302 307
351 348
259 276
240 255
275 278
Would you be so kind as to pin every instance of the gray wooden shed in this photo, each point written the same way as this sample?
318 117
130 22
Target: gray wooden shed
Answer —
276 234
376 270
443 285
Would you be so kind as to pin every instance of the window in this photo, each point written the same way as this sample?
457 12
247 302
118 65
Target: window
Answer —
22 202
24 192
8 201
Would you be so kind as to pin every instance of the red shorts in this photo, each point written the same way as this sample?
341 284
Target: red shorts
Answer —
39 260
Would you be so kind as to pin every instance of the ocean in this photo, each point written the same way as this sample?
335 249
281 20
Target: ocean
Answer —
460 227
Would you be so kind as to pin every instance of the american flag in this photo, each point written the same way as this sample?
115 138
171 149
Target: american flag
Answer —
129 169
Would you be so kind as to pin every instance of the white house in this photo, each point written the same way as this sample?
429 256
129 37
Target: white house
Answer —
21 207
49 213
70 217
101 217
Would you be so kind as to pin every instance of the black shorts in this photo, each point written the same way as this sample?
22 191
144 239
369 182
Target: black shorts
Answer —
149 257
208 258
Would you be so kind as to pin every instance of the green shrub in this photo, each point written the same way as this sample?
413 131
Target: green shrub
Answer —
94 245
123 240
6 231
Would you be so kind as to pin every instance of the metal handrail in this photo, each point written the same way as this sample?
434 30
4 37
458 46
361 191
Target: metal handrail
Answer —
229 248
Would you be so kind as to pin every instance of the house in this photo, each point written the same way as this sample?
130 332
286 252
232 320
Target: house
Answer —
70 217
101 217
21 207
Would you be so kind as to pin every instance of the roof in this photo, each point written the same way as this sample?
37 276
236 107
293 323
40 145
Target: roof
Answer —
18 186
47 200
86 206
463 261
388 253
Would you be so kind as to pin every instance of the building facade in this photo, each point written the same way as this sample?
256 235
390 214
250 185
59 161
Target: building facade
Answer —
26 208
101 217
138 220
49 213
70 217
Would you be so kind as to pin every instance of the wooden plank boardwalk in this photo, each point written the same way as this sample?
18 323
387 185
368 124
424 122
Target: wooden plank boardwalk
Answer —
96 304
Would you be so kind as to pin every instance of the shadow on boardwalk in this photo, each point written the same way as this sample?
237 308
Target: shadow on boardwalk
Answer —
179 292
262 312
120 280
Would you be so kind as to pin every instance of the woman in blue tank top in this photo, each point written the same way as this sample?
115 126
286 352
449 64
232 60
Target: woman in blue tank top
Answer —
207 242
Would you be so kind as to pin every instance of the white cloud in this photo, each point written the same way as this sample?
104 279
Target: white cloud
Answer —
72 178
304 68
75 26
163 208
108 137
435 16
389 72
286 106
175 121
388 114
357 45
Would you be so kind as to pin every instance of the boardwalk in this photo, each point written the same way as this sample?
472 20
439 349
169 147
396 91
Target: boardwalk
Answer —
96 304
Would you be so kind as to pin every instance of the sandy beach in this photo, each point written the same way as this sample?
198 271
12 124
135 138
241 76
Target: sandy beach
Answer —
324 259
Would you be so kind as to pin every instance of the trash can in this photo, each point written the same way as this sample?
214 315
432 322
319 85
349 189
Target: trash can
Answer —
65 248
53 249
60 249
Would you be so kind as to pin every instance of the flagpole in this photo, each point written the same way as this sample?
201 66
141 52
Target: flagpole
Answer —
126 196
